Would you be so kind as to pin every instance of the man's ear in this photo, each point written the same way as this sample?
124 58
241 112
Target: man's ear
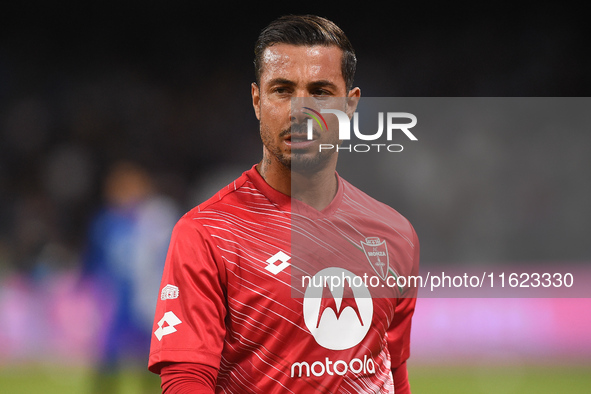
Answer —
255 92
352 100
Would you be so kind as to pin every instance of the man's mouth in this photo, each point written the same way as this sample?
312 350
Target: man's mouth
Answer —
299 140
295 138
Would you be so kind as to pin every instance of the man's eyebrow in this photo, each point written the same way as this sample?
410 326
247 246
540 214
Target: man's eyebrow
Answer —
322 83
281 81
314 84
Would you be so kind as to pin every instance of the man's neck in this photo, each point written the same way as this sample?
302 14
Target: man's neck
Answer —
316 189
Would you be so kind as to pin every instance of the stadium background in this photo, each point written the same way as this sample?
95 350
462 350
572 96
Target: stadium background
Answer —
85 87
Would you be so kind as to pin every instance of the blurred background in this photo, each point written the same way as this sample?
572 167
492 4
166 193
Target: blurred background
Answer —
117 118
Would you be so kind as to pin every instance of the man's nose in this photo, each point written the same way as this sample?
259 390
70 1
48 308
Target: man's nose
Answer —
298 112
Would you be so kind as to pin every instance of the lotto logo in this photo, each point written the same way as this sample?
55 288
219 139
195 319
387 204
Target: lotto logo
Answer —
170 320
279 256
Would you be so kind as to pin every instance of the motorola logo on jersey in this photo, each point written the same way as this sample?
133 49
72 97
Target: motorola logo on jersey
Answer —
338 317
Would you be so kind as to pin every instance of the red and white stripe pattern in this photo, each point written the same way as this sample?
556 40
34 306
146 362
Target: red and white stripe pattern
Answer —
222 249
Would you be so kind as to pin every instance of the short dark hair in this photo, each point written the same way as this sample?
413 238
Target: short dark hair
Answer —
305 30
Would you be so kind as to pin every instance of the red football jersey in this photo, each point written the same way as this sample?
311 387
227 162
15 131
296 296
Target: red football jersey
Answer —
286 299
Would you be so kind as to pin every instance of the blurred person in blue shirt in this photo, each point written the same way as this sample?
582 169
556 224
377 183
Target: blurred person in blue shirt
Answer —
127 243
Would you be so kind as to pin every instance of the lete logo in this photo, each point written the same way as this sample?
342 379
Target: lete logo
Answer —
338 317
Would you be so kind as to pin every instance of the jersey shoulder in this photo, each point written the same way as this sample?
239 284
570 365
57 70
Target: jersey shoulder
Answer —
357 200
239 192
380 215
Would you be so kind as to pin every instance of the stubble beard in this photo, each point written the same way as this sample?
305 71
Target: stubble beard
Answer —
301 161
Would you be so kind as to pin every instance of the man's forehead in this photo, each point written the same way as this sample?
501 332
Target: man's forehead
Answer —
279 56
278 50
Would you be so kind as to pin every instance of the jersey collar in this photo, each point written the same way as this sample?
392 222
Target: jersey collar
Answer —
286 203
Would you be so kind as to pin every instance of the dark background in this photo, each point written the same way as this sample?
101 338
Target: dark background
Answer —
166 86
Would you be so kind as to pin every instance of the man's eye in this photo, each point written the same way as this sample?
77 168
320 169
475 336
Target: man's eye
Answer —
281 90
322 92
322 95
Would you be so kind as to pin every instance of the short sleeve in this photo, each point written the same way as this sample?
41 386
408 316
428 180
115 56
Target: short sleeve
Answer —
189 320
399 331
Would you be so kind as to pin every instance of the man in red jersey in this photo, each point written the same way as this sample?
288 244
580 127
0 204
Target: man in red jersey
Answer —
230 316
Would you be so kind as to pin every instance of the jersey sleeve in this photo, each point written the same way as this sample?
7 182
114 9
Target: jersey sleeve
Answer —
189 320
399 331
188 378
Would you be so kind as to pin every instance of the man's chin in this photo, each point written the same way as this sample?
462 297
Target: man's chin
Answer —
306 162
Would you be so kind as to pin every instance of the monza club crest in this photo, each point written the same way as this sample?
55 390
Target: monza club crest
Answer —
376 252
